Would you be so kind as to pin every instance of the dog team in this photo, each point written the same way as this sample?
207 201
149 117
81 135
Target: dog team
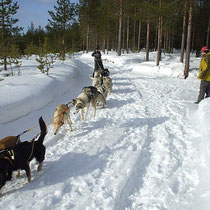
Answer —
16 155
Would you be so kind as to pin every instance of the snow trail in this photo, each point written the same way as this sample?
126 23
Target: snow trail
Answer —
170 135
119 159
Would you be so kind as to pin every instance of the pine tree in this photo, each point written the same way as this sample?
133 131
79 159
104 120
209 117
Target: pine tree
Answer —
13 58
120 28
61 21
188 47
7 10
89 17
160 25
183 31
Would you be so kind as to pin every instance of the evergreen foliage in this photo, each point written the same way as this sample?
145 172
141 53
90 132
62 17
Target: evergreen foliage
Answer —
7 29
45 63
61 21
91 23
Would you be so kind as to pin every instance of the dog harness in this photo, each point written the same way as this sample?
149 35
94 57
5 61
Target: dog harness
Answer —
10 156
32 149
61 116
33 142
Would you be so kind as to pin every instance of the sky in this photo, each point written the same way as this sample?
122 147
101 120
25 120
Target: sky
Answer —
147 150
35 11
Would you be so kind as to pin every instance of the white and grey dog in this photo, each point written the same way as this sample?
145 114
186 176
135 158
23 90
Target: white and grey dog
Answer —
107 82
89 96
61 116
102 83
96 80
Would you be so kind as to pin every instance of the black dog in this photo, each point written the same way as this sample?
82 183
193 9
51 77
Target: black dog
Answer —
105 73
21 155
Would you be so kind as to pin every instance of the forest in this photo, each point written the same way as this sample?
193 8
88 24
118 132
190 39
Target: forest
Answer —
120 25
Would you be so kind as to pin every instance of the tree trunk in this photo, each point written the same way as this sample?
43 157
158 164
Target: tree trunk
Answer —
159 37
87 38
116 37
134 31
64 41
139 36
169 44
167 41
147 42
193 40
5 62
156 38
159 41
120 29
164 44
188 48
123 38
4 40
63 47
107 41
128 32
172 41
104 44
208 31
83 44
183 32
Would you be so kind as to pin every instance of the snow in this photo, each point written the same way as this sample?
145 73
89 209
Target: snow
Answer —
148 149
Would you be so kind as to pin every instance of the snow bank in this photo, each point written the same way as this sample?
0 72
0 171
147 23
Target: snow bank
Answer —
21 95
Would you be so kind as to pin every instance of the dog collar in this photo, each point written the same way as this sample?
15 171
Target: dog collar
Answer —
12 155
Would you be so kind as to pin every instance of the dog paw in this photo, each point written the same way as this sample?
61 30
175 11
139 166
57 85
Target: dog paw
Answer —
18 174
39 168
29 179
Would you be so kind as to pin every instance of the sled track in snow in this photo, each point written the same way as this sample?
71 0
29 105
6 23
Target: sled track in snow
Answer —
119 159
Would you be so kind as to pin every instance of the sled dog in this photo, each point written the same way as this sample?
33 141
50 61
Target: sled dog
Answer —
107 82
20 156
104 90
105 73
9 142
96 80
61 116
89 96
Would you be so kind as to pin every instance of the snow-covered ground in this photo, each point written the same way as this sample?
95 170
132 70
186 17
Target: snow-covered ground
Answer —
149 149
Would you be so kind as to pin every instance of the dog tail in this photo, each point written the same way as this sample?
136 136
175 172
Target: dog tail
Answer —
43 129
91 76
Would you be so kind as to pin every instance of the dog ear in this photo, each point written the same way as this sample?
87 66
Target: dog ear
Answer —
73 101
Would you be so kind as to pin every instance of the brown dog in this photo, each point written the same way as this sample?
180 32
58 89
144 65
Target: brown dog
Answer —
9 142
61 116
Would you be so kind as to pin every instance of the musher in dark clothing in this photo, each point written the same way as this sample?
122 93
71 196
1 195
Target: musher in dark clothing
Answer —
98 62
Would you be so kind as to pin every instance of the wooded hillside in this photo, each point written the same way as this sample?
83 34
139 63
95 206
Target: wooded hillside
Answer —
121 25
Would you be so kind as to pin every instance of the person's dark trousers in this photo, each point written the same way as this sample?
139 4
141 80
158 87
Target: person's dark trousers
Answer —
98 65
204 89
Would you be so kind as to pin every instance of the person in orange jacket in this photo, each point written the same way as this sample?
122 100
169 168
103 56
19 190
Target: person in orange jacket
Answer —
204 75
